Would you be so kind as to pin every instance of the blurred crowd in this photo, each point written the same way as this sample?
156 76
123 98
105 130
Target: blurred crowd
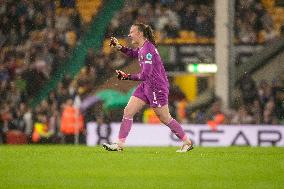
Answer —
36 38
259 103
253 23
167 17
178 19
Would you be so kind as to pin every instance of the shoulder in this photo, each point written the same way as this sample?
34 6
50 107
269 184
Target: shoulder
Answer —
149 46
149 50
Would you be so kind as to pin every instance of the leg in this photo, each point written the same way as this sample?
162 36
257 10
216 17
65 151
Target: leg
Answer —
166 118
134 105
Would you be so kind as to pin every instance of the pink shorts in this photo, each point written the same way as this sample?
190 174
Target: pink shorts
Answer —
155 98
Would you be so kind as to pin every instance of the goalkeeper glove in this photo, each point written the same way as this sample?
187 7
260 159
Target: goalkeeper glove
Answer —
114 43
122 76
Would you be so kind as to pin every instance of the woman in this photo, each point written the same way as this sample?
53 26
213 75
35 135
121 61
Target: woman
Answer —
153 89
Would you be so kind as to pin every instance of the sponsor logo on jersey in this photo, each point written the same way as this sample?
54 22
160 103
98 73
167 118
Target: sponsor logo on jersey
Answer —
149 56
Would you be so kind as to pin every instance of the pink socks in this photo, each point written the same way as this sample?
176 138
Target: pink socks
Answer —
177 129
125 128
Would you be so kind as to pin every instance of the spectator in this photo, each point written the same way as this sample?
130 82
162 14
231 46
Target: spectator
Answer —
103 129
189 16
269 116
264 92
171 30
68 3
256 111
215 112
28 119
248 89
76 22
204 24
62 21
269 34
251 18
72 122
247 34
41 132
242 117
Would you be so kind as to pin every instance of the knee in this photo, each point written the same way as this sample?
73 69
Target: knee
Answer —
164 118
128 112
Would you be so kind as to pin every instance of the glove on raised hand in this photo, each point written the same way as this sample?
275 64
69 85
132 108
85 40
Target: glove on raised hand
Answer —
114 43
122 76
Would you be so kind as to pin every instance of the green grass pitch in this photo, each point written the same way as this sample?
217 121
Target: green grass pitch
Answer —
140 167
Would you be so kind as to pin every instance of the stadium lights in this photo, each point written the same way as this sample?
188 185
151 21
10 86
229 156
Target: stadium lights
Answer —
202 68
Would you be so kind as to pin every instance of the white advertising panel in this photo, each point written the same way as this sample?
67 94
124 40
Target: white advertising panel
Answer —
202 135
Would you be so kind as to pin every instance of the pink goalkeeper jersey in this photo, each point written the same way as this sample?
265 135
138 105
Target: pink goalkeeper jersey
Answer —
152 72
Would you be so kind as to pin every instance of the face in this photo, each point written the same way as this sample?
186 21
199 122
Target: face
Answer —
135 35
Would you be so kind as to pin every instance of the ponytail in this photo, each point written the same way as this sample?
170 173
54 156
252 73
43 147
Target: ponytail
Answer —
147 32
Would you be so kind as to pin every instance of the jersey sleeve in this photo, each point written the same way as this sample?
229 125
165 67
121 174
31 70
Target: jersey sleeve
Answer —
130 52
147 65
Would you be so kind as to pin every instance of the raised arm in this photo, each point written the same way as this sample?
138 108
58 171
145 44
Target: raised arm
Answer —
128 51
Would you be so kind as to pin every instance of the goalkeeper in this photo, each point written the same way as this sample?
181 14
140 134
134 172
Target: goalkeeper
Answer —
153 90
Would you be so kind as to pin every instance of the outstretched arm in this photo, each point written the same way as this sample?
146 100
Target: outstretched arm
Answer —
128 51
